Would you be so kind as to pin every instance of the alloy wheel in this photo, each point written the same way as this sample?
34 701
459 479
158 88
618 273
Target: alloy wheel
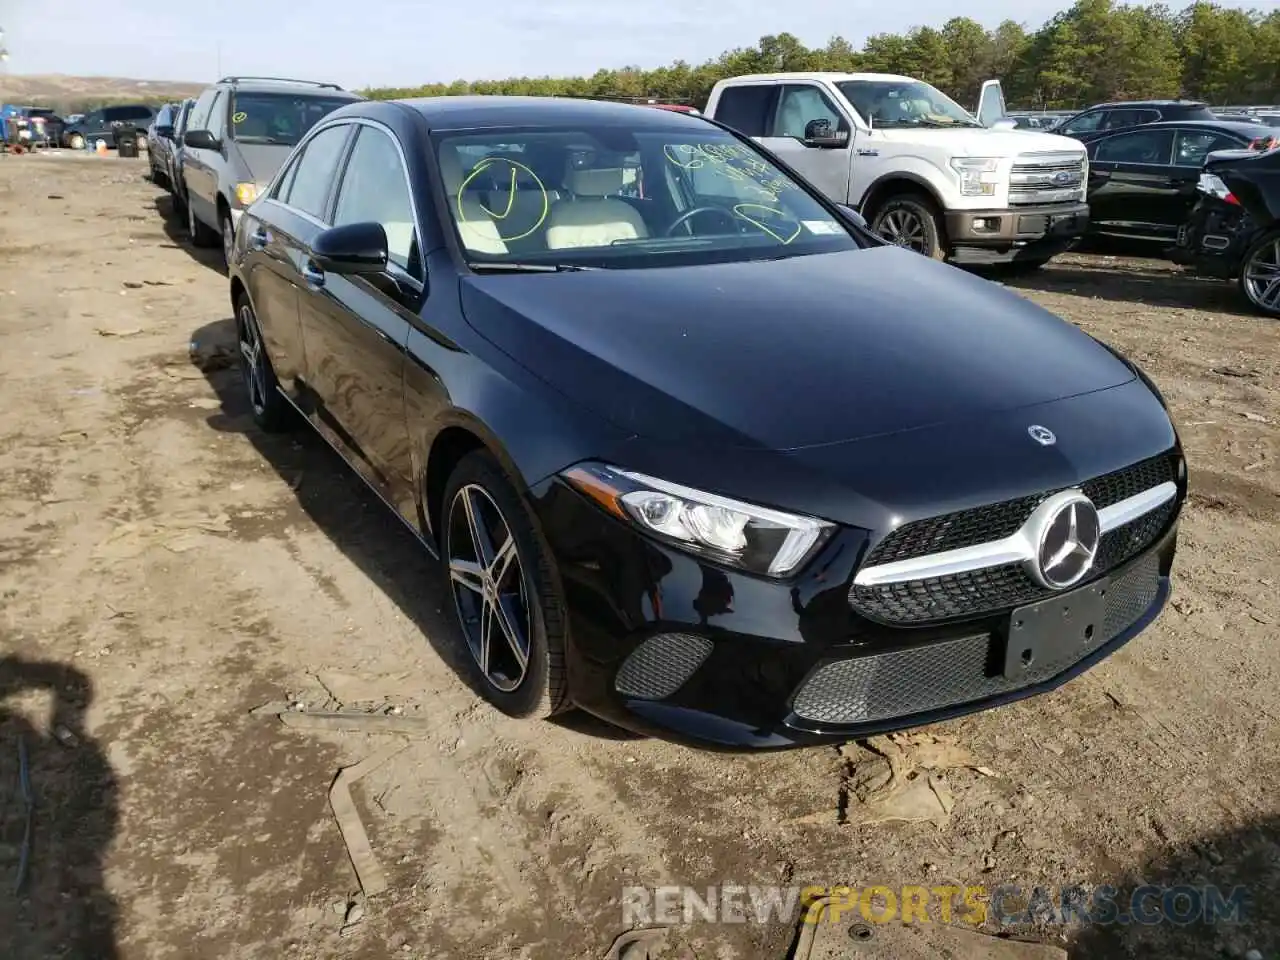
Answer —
1262 276
903 228
228 241
488 583
252 360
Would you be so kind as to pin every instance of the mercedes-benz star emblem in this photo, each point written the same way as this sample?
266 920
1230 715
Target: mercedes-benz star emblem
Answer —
1042 435
1065 533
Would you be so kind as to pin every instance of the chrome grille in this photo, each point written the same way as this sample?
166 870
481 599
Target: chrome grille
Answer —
1047 177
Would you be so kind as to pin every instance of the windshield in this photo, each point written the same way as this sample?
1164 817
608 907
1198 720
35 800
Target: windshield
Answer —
905 103
278 117
614 197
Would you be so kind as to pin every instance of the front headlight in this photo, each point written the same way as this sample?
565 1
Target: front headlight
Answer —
246 193
754 538
978 175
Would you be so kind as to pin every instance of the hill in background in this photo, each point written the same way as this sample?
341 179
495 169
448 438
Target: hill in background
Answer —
70 94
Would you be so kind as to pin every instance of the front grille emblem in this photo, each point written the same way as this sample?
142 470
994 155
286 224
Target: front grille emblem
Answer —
1066 533
1042 435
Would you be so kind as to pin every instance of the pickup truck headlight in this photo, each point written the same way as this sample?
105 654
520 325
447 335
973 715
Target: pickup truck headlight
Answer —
978 175
756 539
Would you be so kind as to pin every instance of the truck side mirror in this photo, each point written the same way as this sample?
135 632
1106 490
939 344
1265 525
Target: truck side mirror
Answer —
818 133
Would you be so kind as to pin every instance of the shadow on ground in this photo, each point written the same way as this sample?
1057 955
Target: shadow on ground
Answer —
1124 280
175 228
354 518
1229 887
62 908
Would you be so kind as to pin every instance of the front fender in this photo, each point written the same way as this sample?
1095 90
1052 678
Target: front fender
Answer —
915 170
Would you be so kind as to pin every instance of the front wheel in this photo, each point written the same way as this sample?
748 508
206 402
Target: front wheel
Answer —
228 240
505 591
75 142
910 221
1260 274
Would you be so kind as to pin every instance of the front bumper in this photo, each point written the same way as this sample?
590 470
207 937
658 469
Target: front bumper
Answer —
665 644
1020 232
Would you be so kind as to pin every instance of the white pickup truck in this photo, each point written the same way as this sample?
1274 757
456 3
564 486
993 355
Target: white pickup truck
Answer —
922 170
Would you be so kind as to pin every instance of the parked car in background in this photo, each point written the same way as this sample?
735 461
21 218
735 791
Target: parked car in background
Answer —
1043 121
926 173
49 125
160 145
177 184
1142 182
1234 229
1103 118
240 131
582 402
102 124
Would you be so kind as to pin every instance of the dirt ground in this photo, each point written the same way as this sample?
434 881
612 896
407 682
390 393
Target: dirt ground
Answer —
165 568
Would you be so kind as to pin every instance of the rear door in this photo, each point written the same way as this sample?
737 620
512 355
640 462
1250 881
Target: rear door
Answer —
1131 183
801 104
356 328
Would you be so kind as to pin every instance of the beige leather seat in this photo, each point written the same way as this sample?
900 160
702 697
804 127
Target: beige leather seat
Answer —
478 231
595 217
520 204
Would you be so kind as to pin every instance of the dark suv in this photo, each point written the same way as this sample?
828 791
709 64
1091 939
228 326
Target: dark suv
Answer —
239 133
102 124
1107 117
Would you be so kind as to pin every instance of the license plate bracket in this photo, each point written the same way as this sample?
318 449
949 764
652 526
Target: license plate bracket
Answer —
1053 629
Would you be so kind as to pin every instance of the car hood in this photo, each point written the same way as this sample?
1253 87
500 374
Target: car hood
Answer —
790 353
263 159
981 142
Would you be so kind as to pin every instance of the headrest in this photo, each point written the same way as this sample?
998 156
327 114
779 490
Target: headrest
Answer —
601 182
451 171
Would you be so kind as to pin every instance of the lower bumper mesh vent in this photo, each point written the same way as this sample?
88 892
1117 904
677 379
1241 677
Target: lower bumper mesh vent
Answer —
660 666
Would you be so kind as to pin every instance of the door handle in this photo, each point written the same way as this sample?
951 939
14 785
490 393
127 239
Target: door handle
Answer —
312 274
259 238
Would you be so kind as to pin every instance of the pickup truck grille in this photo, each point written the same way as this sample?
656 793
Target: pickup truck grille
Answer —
1047 177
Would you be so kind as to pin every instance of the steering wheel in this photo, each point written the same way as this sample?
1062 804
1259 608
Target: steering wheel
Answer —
697 211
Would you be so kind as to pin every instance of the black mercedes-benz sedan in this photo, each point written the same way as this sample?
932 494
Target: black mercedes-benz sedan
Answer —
702 456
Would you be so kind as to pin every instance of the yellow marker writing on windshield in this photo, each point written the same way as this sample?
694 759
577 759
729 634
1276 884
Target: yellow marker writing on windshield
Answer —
240 117
484 165
739 208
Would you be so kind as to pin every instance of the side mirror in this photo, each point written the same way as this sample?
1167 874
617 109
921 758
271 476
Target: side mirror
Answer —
818 133
200 140
858 219
354 248
165 131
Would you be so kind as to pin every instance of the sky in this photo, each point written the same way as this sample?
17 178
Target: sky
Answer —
411 42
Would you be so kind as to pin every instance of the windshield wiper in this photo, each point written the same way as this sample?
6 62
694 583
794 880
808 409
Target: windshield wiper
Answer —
506 266
940 124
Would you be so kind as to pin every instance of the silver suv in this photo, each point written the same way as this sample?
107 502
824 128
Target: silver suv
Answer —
239 133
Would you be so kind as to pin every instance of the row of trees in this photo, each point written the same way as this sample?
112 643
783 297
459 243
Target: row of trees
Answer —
1096 50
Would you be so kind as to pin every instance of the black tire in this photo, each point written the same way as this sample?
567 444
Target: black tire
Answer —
271 411
227 237
199 234
541 690
913 221
1259 278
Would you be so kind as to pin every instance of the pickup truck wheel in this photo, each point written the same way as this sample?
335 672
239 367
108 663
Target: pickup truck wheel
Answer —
910 221
75 142
1260 274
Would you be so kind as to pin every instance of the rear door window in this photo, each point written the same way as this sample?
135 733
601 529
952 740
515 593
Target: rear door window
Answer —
1150 147
1086 122
748 109
316 168
1119 119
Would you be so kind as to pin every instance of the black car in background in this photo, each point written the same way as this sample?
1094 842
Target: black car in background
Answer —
102 124
1142 182
1234 229
1104 118
701 454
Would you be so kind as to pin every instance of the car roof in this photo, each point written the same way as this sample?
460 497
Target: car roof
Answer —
443 113
1190 104
818 75
1242 127
267 85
